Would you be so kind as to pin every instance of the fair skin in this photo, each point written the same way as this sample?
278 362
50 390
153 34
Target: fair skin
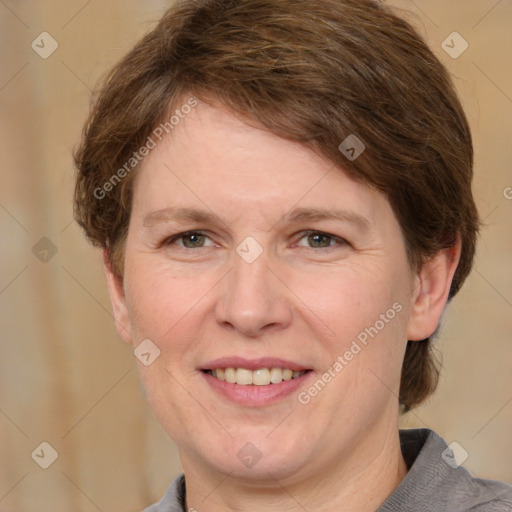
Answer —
304 300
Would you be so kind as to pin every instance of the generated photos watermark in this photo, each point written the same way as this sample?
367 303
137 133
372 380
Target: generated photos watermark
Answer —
156 136
304 397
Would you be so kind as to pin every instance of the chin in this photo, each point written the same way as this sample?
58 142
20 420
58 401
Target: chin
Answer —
261 460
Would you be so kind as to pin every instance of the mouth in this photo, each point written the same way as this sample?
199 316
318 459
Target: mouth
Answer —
255 382
258 377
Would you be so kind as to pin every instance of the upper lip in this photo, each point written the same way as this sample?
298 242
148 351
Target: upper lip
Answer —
252 364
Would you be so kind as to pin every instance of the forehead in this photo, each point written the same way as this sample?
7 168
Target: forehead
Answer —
214 161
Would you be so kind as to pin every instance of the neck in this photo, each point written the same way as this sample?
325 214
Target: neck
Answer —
359 483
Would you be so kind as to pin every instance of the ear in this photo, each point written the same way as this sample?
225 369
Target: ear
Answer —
429 297
118 300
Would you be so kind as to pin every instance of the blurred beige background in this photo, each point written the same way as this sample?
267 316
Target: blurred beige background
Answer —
65 376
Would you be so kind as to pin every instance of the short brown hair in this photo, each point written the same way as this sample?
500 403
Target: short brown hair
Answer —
312 71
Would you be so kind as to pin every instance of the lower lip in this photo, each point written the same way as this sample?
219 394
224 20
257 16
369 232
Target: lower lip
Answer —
256 395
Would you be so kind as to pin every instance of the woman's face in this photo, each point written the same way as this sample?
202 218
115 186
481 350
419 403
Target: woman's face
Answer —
271 279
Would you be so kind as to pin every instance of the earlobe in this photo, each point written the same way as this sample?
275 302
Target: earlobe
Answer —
429 297
118 300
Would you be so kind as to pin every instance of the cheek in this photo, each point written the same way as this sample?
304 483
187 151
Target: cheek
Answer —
164 303
364 317
351 298
168 303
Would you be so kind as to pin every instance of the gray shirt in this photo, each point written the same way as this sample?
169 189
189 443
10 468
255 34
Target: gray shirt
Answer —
434 483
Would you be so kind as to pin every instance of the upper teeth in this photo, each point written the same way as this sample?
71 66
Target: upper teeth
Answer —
260 377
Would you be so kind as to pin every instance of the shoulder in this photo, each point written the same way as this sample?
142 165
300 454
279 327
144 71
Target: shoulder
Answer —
483 495
469 491
435 481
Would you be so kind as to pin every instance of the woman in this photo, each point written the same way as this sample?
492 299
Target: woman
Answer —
282 192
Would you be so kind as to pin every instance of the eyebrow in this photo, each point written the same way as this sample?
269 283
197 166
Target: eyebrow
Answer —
294 217
180 215
317 214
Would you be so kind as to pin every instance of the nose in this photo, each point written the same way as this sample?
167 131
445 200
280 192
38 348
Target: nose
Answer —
254 299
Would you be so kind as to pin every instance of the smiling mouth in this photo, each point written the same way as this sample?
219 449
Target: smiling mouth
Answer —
259 377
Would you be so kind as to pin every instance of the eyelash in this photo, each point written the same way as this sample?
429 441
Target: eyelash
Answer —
303 234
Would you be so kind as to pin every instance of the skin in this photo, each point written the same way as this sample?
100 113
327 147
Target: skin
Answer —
303 299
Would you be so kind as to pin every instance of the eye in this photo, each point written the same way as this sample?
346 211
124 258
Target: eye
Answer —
189 240
320 240
198 240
